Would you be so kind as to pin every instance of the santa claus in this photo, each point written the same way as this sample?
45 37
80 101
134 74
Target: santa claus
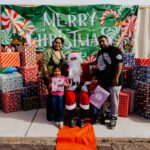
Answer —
78 73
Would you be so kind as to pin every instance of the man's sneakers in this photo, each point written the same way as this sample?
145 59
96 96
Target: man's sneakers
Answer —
112 123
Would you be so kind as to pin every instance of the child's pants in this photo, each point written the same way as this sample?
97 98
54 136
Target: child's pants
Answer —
57 106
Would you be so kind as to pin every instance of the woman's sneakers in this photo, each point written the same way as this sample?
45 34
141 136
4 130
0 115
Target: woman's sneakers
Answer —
60 124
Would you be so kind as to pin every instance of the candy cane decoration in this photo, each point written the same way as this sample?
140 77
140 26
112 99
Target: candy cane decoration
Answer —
106 13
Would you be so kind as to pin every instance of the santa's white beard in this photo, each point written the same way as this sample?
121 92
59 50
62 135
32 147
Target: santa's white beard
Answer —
75 71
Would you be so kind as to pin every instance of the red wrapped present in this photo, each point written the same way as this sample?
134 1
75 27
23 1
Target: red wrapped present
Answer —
39 60
124 104
11 101
29 75
41 87
28 56
9 59
142 61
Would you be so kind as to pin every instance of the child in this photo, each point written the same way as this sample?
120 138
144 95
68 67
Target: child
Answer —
56 87
95 112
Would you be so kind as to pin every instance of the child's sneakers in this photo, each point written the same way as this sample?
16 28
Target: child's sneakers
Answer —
61 125
102 120
57 124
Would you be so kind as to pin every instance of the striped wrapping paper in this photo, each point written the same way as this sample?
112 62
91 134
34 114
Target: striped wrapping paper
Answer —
142 61
11 82
11 101
28 56
29 75
9 59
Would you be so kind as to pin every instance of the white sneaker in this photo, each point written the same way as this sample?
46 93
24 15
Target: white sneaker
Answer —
61 125
57 124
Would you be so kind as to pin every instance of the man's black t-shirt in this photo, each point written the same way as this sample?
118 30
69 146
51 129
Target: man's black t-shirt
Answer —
107 60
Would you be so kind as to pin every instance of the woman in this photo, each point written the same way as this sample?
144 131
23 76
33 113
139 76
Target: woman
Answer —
50 58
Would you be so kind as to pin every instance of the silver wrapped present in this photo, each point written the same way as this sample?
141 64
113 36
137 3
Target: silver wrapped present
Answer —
11 82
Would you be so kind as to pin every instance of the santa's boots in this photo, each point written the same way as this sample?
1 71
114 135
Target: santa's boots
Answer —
83 115
72 120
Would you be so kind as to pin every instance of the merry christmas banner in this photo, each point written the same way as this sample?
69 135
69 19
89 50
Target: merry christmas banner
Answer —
78 25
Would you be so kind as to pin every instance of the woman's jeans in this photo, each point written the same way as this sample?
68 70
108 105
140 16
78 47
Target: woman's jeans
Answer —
57 107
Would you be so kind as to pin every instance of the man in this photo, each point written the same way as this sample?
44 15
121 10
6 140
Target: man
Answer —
78 74
109 63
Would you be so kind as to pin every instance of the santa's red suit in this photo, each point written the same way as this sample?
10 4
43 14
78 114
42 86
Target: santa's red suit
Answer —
78 73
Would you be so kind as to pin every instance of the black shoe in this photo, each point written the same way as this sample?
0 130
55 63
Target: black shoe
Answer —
82 123
112 123
102 120
93 120
72 123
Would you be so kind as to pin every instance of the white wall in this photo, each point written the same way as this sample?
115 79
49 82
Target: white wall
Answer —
75 2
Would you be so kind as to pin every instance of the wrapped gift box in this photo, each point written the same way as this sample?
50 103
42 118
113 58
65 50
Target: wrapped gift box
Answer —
128 59
131 93
43 100
126 77
41 87
29 75
30 98
30 91
142 61
11 101
9 59
11 82
39 60
28 55
124 104
29 103
141 73
142 99
98 97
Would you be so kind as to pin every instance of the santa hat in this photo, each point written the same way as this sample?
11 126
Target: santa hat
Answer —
75 54
70 100
84 100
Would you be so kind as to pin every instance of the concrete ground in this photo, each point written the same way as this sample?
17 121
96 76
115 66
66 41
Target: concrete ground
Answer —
33 123
29 130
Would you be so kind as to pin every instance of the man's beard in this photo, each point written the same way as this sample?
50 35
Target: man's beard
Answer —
75 71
